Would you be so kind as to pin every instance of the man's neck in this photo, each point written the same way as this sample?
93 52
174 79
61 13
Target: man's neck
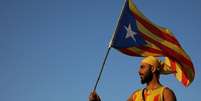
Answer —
153 84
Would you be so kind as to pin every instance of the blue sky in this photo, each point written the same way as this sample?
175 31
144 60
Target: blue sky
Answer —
52 50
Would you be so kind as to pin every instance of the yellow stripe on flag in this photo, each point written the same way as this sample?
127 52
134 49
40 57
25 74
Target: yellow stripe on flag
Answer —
168 44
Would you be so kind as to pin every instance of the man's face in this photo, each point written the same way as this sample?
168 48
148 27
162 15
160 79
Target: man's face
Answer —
145 73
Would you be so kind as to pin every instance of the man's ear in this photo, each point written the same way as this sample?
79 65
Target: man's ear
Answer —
153 69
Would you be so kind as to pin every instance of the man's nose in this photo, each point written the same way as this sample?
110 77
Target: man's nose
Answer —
139 71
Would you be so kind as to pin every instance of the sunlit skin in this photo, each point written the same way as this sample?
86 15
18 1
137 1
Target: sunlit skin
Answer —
145 73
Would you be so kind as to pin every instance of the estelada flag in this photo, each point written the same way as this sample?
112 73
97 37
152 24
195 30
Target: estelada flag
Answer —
136 35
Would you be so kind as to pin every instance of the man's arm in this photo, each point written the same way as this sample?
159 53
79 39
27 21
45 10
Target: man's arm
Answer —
168 95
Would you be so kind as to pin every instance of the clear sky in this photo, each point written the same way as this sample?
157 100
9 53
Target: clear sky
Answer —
52 50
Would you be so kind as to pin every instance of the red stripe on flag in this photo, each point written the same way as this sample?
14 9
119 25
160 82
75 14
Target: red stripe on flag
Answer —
148 49
155 30
184 79
129 52
173 65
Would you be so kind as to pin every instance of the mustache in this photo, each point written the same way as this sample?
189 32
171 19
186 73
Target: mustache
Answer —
140 73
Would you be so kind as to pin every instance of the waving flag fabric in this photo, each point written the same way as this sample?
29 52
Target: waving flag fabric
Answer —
137 36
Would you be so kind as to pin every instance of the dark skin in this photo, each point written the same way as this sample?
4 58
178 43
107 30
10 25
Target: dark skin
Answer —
151 83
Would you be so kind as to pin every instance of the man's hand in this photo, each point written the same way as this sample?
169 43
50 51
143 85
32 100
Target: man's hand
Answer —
94 97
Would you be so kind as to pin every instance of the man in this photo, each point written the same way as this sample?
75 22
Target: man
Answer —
149 71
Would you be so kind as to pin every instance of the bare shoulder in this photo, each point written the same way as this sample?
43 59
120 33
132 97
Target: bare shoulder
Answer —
169 95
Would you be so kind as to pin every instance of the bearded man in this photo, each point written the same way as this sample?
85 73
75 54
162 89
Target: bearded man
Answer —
149 72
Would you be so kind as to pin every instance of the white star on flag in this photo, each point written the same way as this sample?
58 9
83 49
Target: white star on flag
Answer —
130 33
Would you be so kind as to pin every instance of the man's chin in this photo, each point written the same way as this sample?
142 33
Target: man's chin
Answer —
143 82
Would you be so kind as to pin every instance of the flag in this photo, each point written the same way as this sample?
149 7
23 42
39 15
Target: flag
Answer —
136 35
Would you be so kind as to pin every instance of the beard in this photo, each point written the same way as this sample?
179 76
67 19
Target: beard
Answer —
147 77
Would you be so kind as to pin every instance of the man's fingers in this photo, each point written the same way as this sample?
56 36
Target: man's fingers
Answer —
94 97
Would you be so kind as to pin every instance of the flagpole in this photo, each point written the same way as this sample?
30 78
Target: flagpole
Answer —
101 70
109 48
